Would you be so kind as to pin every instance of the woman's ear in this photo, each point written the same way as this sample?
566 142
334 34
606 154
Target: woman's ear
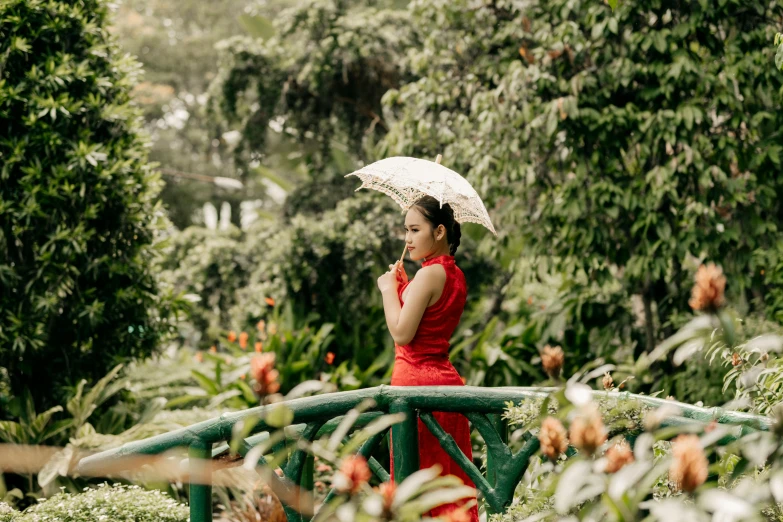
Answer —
441 233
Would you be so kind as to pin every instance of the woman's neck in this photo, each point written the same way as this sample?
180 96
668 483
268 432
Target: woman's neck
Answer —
441 251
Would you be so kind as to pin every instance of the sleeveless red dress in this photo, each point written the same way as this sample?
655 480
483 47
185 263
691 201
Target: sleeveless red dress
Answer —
425 362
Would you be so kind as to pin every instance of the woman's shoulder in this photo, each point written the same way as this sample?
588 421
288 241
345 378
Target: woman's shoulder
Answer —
432 274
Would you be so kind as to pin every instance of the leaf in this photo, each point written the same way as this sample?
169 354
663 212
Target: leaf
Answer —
576 484
279 416
205 382
612 4
257 26
779 57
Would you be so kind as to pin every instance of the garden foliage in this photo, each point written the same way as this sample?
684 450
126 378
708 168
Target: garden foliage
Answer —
78 209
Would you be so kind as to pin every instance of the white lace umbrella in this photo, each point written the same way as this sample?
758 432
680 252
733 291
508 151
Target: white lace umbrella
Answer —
407 179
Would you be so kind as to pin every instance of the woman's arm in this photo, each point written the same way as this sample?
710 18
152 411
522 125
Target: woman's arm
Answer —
404 321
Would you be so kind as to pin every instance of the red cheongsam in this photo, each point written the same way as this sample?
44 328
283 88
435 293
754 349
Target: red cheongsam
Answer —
425 362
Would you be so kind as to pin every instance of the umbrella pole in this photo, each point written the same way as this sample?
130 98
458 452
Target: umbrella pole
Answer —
402 257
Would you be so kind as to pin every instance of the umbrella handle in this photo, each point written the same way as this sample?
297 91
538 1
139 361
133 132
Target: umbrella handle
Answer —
402 257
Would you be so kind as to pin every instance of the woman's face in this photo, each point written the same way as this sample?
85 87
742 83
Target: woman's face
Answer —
418 235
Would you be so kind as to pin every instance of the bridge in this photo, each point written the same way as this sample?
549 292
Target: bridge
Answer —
321 415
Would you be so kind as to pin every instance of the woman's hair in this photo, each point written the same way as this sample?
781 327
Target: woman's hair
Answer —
430 208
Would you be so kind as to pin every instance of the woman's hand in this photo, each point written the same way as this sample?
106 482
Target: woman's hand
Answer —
392 279
402 277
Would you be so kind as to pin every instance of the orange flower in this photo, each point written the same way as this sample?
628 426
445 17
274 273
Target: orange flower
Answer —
213 349
587 431
707 293
270 301
736 360
243 377
608 382
262 369
232 336
689 464
618 456
387 491
329 357
261 325
272 328
259 347
553 438
199 357
243 340
354 473
552 360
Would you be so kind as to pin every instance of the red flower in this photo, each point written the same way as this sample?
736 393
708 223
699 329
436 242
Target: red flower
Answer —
329 357
270 301
262 368
243 340
356 471
259 347
232 336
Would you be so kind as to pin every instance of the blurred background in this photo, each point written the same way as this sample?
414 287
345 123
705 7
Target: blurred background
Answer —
199 213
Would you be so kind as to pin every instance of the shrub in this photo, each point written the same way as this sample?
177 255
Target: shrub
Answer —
77 200
117 503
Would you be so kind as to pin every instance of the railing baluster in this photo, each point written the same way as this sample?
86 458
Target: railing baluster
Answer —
450 446
405 441
199 455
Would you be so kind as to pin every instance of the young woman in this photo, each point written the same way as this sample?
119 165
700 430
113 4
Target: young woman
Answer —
421 315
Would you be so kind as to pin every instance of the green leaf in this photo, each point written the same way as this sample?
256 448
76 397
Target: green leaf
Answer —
279 416
206 383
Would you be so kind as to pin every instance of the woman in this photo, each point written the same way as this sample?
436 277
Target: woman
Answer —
421 315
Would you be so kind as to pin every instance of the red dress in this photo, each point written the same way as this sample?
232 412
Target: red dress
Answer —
425 362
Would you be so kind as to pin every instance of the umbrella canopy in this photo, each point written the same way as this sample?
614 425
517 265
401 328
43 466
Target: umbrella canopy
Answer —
406 180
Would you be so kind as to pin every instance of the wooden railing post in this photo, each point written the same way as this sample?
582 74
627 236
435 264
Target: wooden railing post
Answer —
199 455
405 441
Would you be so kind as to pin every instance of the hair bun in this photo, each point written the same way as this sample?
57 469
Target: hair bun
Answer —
456 234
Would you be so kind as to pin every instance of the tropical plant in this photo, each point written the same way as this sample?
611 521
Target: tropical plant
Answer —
118 503
78 215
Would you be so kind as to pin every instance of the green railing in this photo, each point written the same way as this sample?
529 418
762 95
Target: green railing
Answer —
320 415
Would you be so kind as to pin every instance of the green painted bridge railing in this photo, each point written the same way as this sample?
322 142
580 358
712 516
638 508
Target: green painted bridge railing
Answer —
320 415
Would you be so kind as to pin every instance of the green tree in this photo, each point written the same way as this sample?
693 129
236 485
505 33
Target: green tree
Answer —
636 139
78 210
619 146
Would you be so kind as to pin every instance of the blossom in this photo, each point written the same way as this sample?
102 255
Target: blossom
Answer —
199 357
232 336
707 293
736 360
261 325
607 381
259 347
387 491
587 431
552 360
618 456
354 473
329 357
689 464
270 301
213 349
552 438
243 340
264 374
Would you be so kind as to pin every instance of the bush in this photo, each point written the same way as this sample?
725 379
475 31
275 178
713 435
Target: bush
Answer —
117 503
77 201
7 513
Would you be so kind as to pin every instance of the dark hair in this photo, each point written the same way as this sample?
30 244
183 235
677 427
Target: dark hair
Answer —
430 208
